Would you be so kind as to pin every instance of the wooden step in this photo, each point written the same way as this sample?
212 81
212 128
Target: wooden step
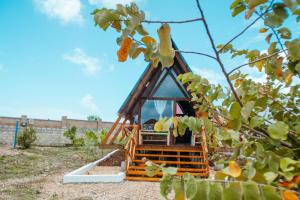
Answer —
140 178
166 156
178 169
172 162
135 172
168 149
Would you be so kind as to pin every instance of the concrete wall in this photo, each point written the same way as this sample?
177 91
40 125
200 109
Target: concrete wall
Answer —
49 132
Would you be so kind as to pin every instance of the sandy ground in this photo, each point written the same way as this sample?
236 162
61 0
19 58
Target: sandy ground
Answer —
48 185
52 187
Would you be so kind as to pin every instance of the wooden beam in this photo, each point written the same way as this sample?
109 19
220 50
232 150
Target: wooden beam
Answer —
112 129
119 129
181 63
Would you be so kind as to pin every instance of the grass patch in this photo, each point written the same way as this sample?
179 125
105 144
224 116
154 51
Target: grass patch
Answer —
44 160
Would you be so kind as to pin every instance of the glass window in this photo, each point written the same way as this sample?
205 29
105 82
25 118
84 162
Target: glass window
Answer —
153 110
169 88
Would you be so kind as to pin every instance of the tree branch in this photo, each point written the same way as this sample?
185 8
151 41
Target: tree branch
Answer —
169 22
198 53
274 32
247 27
217 55
255 61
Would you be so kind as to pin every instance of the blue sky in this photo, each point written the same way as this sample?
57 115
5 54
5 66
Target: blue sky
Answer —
54 61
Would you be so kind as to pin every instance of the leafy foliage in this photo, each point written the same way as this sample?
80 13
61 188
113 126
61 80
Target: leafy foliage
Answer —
26 138
260 121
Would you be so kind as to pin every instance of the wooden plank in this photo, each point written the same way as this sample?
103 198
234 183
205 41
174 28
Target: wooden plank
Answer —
112 129
172 162
151 179
178 169
119 129
167 156
132 172
169 150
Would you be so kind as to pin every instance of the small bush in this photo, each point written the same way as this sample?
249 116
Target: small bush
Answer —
78 142
71 134
26 138
102 135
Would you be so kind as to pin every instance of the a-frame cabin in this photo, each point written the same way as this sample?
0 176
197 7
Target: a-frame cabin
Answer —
159 94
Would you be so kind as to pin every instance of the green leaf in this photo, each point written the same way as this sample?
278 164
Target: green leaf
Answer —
152 170
246 110
166 185
272 20
270 176
190 185
294 49
235 4
285 164
235 110
269 192
235 124
256 121
215 191
255 3
178 188
251 191
249 171
202 190
279 130
285 33
297 67
237 10
232 191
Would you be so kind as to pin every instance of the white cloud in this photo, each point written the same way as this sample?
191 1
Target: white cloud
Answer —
212 76
110 3
78 56
65 10
88 102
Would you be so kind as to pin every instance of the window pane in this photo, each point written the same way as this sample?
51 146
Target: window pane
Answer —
151 113
169 88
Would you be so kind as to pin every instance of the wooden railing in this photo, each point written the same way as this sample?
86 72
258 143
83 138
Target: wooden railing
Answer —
132 133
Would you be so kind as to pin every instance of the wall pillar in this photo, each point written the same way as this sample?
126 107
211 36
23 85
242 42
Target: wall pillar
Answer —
64 122
99 124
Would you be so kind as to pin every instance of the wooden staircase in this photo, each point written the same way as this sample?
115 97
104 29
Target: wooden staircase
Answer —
190 159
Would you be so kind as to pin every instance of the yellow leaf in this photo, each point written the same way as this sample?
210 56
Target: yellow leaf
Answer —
124 49
165 46
202 114
175 122
148 40
263 30
158 126
289 195
155 62
259 65
238 82
254 3
288 78
233 169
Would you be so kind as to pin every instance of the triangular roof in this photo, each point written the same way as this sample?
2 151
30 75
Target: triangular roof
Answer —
148 79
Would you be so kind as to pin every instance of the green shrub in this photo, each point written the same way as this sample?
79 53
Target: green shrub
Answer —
26 138
102 134
78 142
71 134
